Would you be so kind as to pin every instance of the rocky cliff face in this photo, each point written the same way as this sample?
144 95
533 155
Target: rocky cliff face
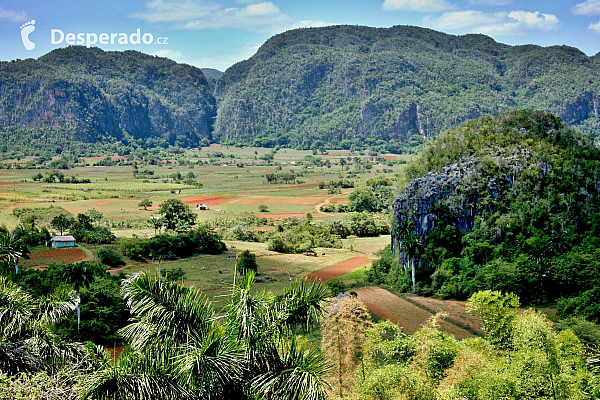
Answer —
486 175
98 95
351 82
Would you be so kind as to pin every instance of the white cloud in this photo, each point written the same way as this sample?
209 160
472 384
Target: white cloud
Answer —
459 20
195 15
590 8
494 3
417 5
501 23
594 27
165 11
13 16
260 17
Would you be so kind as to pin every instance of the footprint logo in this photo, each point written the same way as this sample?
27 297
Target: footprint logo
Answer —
26 29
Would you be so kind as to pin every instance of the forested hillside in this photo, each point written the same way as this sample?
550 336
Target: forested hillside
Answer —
95 96
510 202
319 87
355 83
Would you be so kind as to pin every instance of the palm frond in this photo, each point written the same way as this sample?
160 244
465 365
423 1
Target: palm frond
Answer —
212 366
53 352
137 376
301 377
17 308
303 302
10 249
167 310
58 305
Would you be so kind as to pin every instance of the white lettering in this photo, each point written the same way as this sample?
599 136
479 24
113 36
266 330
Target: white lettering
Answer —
90 37
137 37
53 39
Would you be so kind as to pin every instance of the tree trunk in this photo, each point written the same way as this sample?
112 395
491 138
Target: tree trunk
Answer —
414 280
78 311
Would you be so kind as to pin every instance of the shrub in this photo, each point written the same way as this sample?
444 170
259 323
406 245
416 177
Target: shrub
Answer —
110 258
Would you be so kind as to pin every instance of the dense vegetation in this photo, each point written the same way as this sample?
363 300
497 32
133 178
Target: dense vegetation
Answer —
318 88
510 202
520 357
119 99
355 86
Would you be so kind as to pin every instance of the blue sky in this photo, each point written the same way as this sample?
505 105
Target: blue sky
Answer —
219 33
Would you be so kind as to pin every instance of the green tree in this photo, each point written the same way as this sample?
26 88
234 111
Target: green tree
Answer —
157 223
62 223
145 203
27 340
179 349
246 262
94 215
176 214
78 275
10 252
497 312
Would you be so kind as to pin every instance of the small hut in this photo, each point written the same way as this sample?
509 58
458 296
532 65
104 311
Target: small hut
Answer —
62 241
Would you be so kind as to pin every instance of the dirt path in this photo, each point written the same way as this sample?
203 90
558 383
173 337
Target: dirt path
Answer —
339 269
407 315
327 201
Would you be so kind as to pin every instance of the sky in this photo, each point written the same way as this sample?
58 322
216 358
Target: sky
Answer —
219 33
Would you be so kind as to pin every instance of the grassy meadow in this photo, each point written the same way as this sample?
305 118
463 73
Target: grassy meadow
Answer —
233 186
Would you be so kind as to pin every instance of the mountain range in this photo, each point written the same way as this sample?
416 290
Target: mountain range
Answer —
331 86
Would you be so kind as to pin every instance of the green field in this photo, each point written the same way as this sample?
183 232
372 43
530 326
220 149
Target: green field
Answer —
233 185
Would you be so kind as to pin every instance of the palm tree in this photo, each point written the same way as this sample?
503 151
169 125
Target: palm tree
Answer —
27 342
410 245
264 326
10 251
412 248
78 275
181 349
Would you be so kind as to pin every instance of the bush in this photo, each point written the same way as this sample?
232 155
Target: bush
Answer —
247 262
110 258
302 238
169 246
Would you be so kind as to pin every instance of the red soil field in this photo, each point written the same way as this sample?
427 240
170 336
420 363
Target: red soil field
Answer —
339 269
280 216
208 200
406 315
278 200
393 158
454 309
47 257
11 183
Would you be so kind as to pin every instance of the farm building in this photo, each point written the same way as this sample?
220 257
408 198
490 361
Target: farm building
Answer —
62 241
